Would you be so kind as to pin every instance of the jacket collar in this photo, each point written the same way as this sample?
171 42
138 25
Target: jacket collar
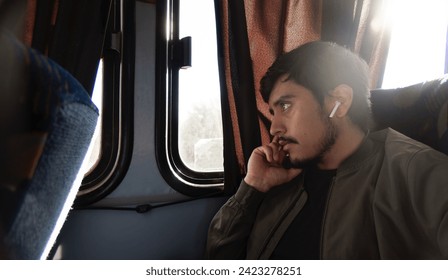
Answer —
365 151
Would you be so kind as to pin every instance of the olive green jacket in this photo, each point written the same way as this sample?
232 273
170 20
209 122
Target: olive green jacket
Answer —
389 200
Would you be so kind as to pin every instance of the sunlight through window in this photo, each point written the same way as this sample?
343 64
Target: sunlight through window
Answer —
97 98
418 42
200 121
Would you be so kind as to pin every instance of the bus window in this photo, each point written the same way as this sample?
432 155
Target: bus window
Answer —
97 98
200 125
111 146
189 121
418 47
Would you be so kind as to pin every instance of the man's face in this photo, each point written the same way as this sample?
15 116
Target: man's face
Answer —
305 131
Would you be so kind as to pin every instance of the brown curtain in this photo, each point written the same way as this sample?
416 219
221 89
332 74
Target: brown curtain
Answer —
255 32
71 32
274 27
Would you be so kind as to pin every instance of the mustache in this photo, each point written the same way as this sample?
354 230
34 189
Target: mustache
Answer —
288 139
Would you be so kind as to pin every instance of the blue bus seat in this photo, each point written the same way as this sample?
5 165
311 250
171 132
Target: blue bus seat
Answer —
61 120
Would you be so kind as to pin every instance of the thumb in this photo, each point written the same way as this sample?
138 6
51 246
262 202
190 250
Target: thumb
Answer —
292 173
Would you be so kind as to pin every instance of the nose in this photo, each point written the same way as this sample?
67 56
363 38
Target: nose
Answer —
277 127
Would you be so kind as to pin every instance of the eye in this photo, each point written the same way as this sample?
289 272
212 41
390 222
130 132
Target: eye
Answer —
285 106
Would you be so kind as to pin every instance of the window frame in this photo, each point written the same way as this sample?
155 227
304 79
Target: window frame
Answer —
174 171
117 128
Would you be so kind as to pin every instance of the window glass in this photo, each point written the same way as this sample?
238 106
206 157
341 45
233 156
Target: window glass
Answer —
200 124
418 42
97 98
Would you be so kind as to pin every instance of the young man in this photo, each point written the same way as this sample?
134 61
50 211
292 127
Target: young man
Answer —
326 187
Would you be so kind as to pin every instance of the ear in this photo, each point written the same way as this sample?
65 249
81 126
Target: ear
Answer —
344 94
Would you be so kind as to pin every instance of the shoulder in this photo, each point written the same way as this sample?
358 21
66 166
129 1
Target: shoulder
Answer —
403 152
396 143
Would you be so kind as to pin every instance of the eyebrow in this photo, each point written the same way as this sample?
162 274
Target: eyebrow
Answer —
281 99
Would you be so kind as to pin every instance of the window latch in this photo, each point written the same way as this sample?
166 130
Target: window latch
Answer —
115 42
181 53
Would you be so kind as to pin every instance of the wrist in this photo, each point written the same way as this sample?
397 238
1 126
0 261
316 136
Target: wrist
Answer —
256 183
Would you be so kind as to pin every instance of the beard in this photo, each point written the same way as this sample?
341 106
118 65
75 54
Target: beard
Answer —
325 144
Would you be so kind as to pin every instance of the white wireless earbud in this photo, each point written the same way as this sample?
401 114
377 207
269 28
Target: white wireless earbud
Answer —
335 108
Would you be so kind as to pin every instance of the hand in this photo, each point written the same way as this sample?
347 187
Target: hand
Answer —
265 168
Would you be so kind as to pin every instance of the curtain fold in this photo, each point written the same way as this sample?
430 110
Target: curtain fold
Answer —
274 27
360 26
255 32
239 85
64 29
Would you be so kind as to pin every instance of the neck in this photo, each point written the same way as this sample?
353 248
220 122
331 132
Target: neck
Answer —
347 142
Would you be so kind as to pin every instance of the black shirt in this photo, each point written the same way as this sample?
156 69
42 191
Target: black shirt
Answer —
301 240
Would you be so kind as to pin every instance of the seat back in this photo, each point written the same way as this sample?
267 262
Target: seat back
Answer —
418 111
47 154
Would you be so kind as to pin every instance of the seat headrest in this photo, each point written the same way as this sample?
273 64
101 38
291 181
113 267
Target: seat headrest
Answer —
418 111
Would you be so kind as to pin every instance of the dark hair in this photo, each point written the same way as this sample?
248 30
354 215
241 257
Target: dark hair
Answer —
320 67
